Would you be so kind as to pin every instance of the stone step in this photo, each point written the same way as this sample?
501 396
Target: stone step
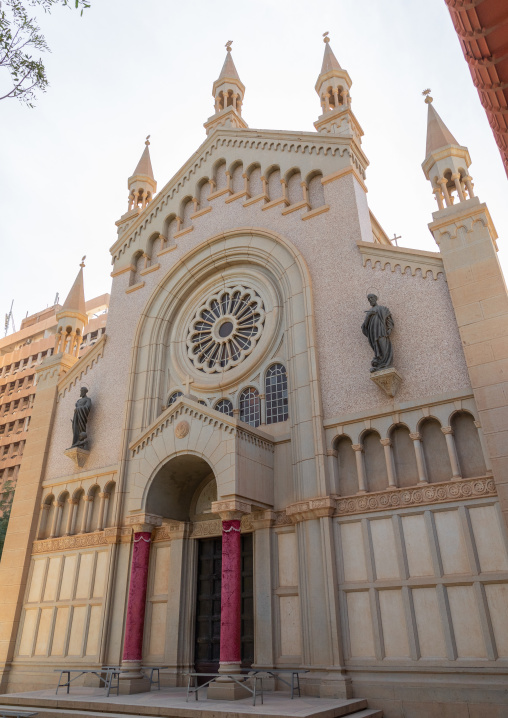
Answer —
68 708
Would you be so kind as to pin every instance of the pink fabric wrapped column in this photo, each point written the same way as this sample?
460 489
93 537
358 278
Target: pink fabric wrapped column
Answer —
133 643
231 597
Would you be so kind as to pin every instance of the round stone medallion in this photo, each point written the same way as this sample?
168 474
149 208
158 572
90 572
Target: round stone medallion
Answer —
182 429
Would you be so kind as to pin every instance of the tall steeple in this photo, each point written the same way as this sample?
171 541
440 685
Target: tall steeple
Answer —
72 318
333 86
447 162
142 185
228 92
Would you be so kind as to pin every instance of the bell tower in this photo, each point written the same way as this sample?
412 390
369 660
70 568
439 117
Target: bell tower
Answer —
466 236
72 318
228 92
333 87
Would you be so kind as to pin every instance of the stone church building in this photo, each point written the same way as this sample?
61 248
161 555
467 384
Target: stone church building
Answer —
249 479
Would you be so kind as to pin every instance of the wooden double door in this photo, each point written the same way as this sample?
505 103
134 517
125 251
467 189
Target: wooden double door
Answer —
207 647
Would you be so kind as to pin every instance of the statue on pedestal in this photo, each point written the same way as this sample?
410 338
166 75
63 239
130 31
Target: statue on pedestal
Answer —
80 420
377 327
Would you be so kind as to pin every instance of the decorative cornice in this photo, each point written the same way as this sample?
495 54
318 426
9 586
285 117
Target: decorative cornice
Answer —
244 139
184 407
80 369
394 257
417 496
66 543
311 509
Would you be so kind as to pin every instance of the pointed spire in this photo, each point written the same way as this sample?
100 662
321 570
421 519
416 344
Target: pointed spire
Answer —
228 69
330 62
75 301
145 165
142 184
228 92
446 164
72 318
438 134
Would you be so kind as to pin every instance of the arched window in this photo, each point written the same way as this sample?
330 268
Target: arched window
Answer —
404 457
225 407
250 406
174 396
437 460
348 477
276 393
469 448
375 464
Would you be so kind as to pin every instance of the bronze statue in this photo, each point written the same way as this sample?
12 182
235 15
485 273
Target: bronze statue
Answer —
80 419
377 327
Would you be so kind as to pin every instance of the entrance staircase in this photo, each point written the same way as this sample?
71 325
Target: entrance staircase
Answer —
170 703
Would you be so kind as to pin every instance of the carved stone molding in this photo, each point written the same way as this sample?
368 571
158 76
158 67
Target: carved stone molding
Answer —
393 257
387 379
78 455
142 522
231 509
418 496
81 367
66 543
206 528
311 509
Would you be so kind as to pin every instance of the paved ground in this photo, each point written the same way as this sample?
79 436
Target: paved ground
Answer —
171 702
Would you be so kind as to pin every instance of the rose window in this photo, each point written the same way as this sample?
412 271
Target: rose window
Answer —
226 329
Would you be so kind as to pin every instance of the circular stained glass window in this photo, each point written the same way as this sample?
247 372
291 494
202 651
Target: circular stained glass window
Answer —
225 329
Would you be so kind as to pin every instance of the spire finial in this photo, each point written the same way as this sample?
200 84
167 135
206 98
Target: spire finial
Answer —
426 94
83 261
147 141
228 45
325 37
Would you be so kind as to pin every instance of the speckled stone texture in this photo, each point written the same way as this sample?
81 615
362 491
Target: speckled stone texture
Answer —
427 349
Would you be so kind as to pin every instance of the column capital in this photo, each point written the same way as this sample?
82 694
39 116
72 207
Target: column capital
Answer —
478 424
415 436
455 176
357 447
86 497
58 504
385 442
45 507
104 495
332 452
143 522
447 430
231 510
72 502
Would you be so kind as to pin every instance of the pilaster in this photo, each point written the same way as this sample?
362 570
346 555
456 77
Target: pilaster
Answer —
25 507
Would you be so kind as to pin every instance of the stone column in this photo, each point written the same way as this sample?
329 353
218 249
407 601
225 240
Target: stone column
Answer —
70 517
390 470
56 519
43 520
264 550
458 186
486 454
452 451
132 679
420 462
231 600
87 512
443 182
360 468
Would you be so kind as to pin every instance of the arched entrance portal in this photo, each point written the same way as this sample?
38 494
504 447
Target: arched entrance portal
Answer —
183 490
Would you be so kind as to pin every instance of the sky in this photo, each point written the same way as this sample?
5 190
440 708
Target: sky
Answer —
126 69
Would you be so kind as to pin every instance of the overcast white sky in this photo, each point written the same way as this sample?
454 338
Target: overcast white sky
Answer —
126 69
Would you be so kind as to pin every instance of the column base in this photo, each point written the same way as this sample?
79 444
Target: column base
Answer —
226 690
128 686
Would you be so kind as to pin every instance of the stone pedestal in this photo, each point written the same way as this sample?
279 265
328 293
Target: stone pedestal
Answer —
387 379
224 689
78 455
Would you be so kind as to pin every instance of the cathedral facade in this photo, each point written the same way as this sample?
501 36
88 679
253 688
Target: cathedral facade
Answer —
252 481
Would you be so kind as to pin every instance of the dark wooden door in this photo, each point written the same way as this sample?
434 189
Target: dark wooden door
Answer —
206 655
247 601
207 648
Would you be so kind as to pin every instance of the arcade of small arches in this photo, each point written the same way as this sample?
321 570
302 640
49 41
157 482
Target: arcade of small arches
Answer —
451 186
83 511
251 406
270 186
228 98
431 454
68 341
334 97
